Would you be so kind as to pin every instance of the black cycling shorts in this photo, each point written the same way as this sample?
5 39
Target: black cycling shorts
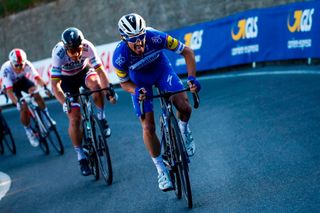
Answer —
23 84
71 84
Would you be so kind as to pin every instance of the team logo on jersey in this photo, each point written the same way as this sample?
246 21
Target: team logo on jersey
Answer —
120 60
247 28
172 43
301 21
156 39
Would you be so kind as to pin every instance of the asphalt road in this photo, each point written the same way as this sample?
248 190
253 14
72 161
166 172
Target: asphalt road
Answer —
257 136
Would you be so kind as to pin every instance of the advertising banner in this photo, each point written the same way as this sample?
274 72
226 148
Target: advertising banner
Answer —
279 33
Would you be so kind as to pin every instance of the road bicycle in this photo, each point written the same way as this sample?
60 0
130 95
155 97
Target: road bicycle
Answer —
172 145
94 142
6 135
43 127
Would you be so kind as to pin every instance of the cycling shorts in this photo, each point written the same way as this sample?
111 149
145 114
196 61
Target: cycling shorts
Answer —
71 84
165 79
23 84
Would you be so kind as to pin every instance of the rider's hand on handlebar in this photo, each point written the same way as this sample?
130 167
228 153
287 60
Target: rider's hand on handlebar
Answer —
140 93
194 84
47 91
111 95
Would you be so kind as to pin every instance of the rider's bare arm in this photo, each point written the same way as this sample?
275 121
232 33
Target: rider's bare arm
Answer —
12 96
188 54
103 76
128 86
39 81
57 91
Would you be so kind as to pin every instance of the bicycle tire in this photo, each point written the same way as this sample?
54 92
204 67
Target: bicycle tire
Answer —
7 138
93 160
174 174
53 136
102 151
182 162
43 144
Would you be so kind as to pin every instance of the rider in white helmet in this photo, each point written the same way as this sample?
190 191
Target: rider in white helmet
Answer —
18 74
140 63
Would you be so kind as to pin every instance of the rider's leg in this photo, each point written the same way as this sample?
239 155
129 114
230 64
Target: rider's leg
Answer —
93 83
181 102
153 145
75 131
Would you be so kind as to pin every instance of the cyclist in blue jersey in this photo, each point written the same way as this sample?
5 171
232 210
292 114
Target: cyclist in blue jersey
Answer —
140 63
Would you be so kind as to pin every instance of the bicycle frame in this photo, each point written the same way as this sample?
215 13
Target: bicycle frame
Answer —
98 151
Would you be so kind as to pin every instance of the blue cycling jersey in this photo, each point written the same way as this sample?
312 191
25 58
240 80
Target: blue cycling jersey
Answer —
152 68
153 59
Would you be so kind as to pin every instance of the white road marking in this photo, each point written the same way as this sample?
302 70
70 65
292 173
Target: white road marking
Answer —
5 183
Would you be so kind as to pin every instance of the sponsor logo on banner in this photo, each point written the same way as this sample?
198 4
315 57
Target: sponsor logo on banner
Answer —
300 21
245 29
194 41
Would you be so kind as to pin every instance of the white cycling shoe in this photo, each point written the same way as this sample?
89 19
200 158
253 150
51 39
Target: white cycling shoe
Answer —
164 181
32 138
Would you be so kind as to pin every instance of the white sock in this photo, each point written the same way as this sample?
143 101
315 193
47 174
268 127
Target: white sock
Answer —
183 125
100 113
80 153
158 162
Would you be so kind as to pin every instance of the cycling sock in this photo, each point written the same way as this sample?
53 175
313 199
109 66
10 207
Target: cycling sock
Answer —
183 125
80 153
100 113
158 162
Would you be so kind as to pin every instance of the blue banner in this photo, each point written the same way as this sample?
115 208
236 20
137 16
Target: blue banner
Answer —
279 33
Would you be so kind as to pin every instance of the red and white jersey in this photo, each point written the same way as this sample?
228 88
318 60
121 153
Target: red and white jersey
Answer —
62 64
9 76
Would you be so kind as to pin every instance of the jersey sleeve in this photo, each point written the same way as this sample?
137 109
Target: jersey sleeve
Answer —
31 71
119 64
174 44
57 55
166 41
94 58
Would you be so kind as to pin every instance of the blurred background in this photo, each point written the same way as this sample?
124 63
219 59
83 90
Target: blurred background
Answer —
36 25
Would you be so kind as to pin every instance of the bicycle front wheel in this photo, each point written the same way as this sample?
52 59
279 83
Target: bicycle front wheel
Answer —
7 138
181 158
169 158
102 151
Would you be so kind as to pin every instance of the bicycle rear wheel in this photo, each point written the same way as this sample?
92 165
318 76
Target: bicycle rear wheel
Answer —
102 151
52 135
182 163
7 138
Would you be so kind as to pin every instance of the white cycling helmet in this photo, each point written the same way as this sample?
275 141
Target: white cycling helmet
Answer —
131 25
17 57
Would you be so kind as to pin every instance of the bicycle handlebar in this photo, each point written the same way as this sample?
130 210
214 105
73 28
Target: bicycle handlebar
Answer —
167 95
86 93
